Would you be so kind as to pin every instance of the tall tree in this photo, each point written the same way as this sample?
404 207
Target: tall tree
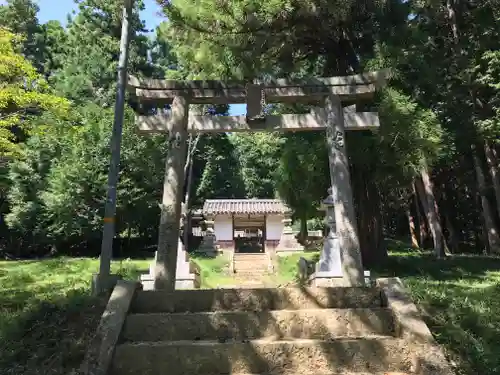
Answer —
248 38
58 187
92 49
258 155
20 17
303 175
23 94
217 170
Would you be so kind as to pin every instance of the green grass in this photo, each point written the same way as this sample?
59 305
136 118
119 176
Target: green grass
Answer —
287 266
214 270
460 301
47 315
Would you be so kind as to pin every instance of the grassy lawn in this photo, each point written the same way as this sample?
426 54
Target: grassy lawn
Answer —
213 270
47 315
287 266
460 300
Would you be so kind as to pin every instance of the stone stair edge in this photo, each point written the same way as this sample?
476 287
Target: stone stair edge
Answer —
240 312
270 341
274 289
334 373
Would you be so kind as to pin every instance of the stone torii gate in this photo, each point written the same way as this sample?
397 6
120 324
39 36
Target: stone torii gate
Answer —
334 116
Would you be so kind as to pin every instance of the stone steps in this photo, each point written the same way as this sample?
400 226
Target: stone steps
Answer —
254 263
270 331
251 275
255 268
294 298
281 324
249 255
283 357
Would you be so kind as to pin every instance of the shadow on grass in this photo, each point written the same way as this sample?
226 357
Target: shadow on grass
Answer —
49 337
459 298
424 264
465 320
47 314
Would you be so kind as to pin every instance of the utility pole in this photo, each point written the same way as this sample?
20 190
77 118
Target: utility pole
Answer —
104 281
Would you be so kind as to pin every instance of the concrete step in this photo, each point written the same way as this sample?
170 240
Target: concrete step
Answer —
295 298
282 324
251 264
250 255
242 285
287 357
255 268
250 275
251 260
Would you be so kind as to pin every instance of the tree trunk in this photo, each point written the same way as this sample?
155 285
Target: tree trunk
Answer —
446 206
424 189
367 202
129 235
492 161
188 168
411 226
303 230
492 235
441 196
423 233
453 235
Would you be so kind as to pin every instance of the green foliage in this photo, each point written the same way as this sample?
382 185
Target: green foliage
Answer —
58 189
91 51
220 176
250 38
302 176
258 156
23 92
20 17
409 136
488 75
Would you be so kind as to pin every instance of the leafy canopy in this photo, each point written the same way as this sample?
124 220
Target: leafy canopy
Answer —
23 93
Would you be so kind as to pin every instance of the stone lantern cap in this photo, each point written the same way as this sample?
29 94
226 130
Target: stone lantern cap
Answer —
329 201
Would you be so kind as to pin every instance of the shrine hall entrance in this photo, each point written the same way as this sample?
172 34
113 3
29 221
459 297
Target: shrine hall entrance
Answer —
246 225
249 233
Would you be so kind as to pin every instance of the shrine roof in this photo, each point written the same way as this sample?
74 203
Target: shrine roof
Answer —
244 206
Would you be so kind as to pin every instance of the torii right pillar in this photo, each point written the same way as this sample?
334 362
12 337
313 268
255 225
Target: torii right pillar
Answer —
346 234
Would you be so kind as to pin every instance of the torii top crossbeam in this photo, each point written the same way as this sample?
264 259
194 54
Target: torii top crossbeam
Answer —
279 90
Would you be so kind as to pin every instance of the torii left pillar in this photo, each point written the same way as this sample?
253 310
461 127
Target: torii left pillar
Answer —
173 184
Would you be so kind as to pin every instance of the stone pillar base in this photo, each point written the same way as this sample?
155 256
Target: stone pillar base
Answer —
101 284
327 280
288 243
187 272
192 282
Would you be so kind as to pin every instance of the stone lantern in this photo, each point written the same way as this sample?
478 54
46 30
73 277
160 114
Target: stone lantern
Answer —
329 267
288 241
208 244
